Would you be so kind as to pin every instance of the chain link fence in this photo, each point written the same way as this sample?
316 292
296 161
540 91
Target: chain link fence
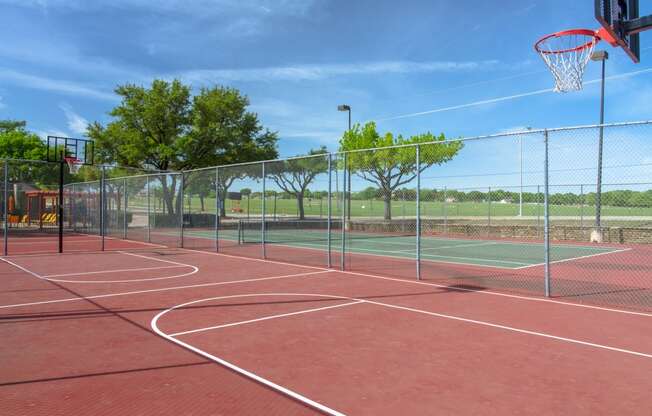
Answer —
558 212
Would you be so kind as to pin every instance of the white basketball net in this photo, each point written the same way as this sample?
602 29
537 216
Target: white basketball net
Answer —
73 165
567 55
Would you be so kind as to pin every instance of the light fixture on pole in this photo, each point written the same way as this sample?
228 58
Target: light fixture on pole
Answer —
344 107
596 235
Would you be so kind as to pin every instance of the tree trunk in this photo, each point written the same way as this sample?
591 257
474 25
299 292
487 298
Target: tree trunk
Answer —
388 205
302 212
222 196
201 202
168 195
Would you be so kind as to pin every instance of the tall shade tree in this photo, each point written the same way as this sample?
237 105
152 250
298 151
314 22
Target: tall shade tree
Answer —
164 127
295 175
220 120
18 143
389 167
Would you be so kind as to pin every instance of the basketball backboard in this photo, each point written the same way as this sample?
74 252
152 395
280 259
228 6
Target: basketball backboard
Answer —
621 22
59 148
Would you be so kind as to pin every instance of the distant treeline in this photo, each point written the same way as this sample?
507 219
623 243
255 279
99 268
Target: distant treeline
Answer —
621 198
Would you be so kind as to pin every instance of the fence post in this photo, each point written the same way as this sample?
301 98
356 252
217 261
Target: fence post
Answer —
418 212
124 209
71 202
217 210
262 230
444 208
582 208
6 206
342 262
489 212
60 205
180 208
103 206
538 211
328 212
149 214
546 218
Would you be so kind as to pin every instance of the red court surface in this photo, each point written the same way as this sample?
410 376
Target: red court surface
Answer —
174 331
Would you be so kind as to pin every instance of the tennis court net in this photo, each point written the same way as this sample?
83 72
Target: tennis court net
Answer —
317 230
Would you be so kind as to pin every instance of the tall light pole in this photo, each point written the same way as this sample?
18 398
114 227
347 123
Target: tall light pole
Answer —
520 192
596 235
347 108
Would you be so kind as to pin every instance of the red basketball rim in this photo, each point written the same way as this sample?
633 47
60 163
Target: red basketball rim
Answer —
571 32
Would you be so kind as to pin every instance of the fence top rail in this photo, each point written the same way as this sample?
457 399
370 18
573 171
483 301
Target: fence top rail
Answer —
330 155
464 139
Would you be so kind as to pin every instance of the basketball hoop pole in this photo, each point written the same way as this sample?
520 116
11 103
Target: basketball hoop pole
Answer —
62 163
600 56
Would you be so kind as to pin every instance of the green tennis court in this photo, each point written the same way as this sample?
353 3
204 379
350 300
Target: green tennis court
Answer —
477 252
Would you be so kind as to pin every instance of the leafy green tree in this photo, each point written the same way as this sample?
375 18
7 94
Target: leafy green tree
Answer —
18 143
294 176
7 126
392 167
165 128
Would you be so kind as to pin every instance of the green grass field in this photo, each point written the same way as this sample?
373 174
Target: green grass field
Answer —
375 208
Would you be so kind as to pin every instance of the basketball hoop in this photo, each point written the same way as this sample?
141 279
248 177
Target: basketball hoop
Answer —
566 53
74 164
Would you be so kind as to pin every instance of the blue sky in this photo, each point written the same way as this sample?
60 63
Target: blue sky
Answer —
298 59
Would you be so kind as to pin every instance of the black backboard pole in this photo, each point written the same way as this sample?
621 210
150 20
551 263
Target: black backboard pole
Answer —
60 207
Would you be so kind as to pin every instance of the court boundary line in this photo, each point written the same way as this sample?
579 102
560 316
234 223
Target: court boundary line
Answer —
427 236
287 392
576 258
266 318
507 295
109 271
403 258
429 257
304 399
164 289
194 269
355 300
460 289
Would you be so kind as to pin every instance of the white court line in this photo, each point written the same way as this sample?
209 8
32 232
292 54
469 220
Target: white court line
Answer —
434 258
420 311
165 289
506 295
232 256
265 318
459 289
284 390
576 258
513 329
52 240
46 276
153 258
488 243
194 270
317 405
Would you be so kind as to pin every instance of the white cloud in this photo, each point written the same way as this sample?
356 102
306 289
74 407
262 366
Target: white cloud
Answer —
507 98
76 123
317 72
43 134
56 85
200 8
